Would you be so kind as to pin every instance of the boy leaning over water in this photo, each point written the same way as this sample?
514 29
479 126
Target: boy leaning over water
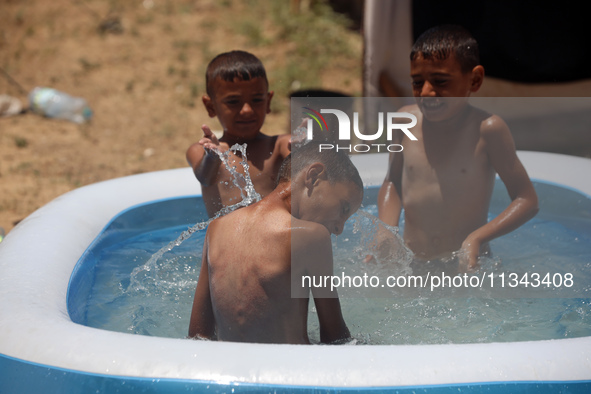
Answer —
244 292
238 95
444 181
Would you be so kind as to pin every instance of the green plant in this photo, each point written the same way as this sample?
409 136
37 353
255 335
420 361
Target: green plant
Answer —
317 37
21 142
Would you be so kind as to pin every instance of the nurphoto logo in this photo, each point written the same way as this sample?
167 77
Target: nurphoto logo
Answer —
392 120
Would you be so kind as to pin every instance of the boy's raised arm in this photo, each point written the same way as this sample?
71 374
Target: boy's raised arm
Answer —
202 159
524 200
283 144
202 323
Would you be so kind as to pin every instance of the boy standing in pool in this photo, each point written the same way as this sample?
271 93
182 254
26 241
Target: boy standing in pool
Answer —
244 292
238 94
444 180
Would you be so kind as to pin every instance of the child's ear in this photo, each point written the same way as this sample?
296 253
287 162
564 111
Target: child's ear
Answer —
314 174
269 97
208 103
477 78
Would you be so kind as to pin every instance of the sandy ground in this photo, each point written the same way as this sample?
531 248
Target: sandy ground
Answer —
144 86
144 78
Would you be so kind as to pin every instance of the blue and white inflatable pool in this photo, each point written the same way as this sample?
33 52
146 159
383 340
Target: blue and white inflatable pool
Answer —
42 350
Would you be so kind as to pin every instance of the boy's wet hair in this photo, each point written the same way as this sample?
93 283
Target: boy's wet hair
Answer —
440 42
234 64
339 167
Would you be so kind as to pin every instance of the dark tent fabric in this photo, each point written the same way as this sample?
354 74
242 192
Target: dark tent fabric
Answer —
523 41
528 49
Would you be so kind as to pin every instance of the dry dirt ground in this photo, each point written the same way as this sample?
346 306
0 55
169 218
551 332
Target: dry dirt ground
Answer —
144 84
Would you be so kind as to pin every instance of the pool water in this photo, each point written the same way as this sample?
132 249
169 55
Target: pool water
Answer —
113 288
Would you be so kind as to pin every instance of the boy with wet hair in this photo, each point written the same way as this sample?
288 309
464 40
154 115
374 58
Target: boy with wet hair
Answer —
443 41
444 181
244 293
238 95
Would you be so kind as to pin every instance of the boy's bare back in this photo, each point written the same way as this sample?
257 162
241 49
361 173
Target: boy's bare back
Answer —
244 292
252 258
250 281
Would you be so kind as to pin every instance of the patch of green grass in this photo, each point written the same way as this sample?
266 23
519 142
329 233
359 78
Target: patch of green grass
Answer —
253 31
166 131
19 18
317 36
318 39
145 19
167 28
182 57
87 65
23 166
206 53
195 90
186 8
155 84
186 44
188 102
21 142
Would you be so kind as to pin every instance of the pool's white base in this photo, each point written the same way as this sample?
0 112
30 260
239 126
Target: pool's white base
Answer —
38 256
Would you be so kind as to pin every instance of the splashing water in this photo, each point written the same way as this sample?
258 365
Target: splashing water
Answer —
370 248
247 192
384 243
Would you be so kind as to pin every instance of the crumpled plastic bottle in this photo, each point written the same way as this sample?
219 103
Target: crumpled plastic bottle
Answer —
59 105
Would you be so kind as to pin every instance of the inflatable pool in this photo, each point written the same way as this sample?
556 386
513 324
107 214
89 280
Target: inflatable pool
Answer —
42 350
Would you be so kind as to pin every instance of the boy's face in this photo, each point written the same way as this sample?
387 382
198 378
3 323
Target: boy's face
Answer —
331 204
440 86
241 106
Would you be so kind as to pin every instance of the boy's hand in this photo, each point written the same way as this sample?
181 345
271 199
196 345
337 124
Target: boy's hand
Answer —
469 256
209 140
383 248
203 159
298 136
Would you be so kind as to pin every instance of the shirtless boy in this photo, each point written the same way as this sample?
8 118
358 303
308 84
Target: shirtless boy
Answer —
251 255
238 94
444 181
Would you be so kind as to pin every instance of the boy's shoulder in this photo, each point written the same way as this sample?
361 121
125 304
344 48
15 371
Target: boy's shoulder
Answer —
311 248
278 145
491 125
267 211
495 133
275 139
307 233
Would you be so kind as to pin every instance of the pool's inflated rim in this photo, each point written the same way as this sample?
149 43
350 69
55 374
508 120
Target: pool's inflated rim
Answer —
37 259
